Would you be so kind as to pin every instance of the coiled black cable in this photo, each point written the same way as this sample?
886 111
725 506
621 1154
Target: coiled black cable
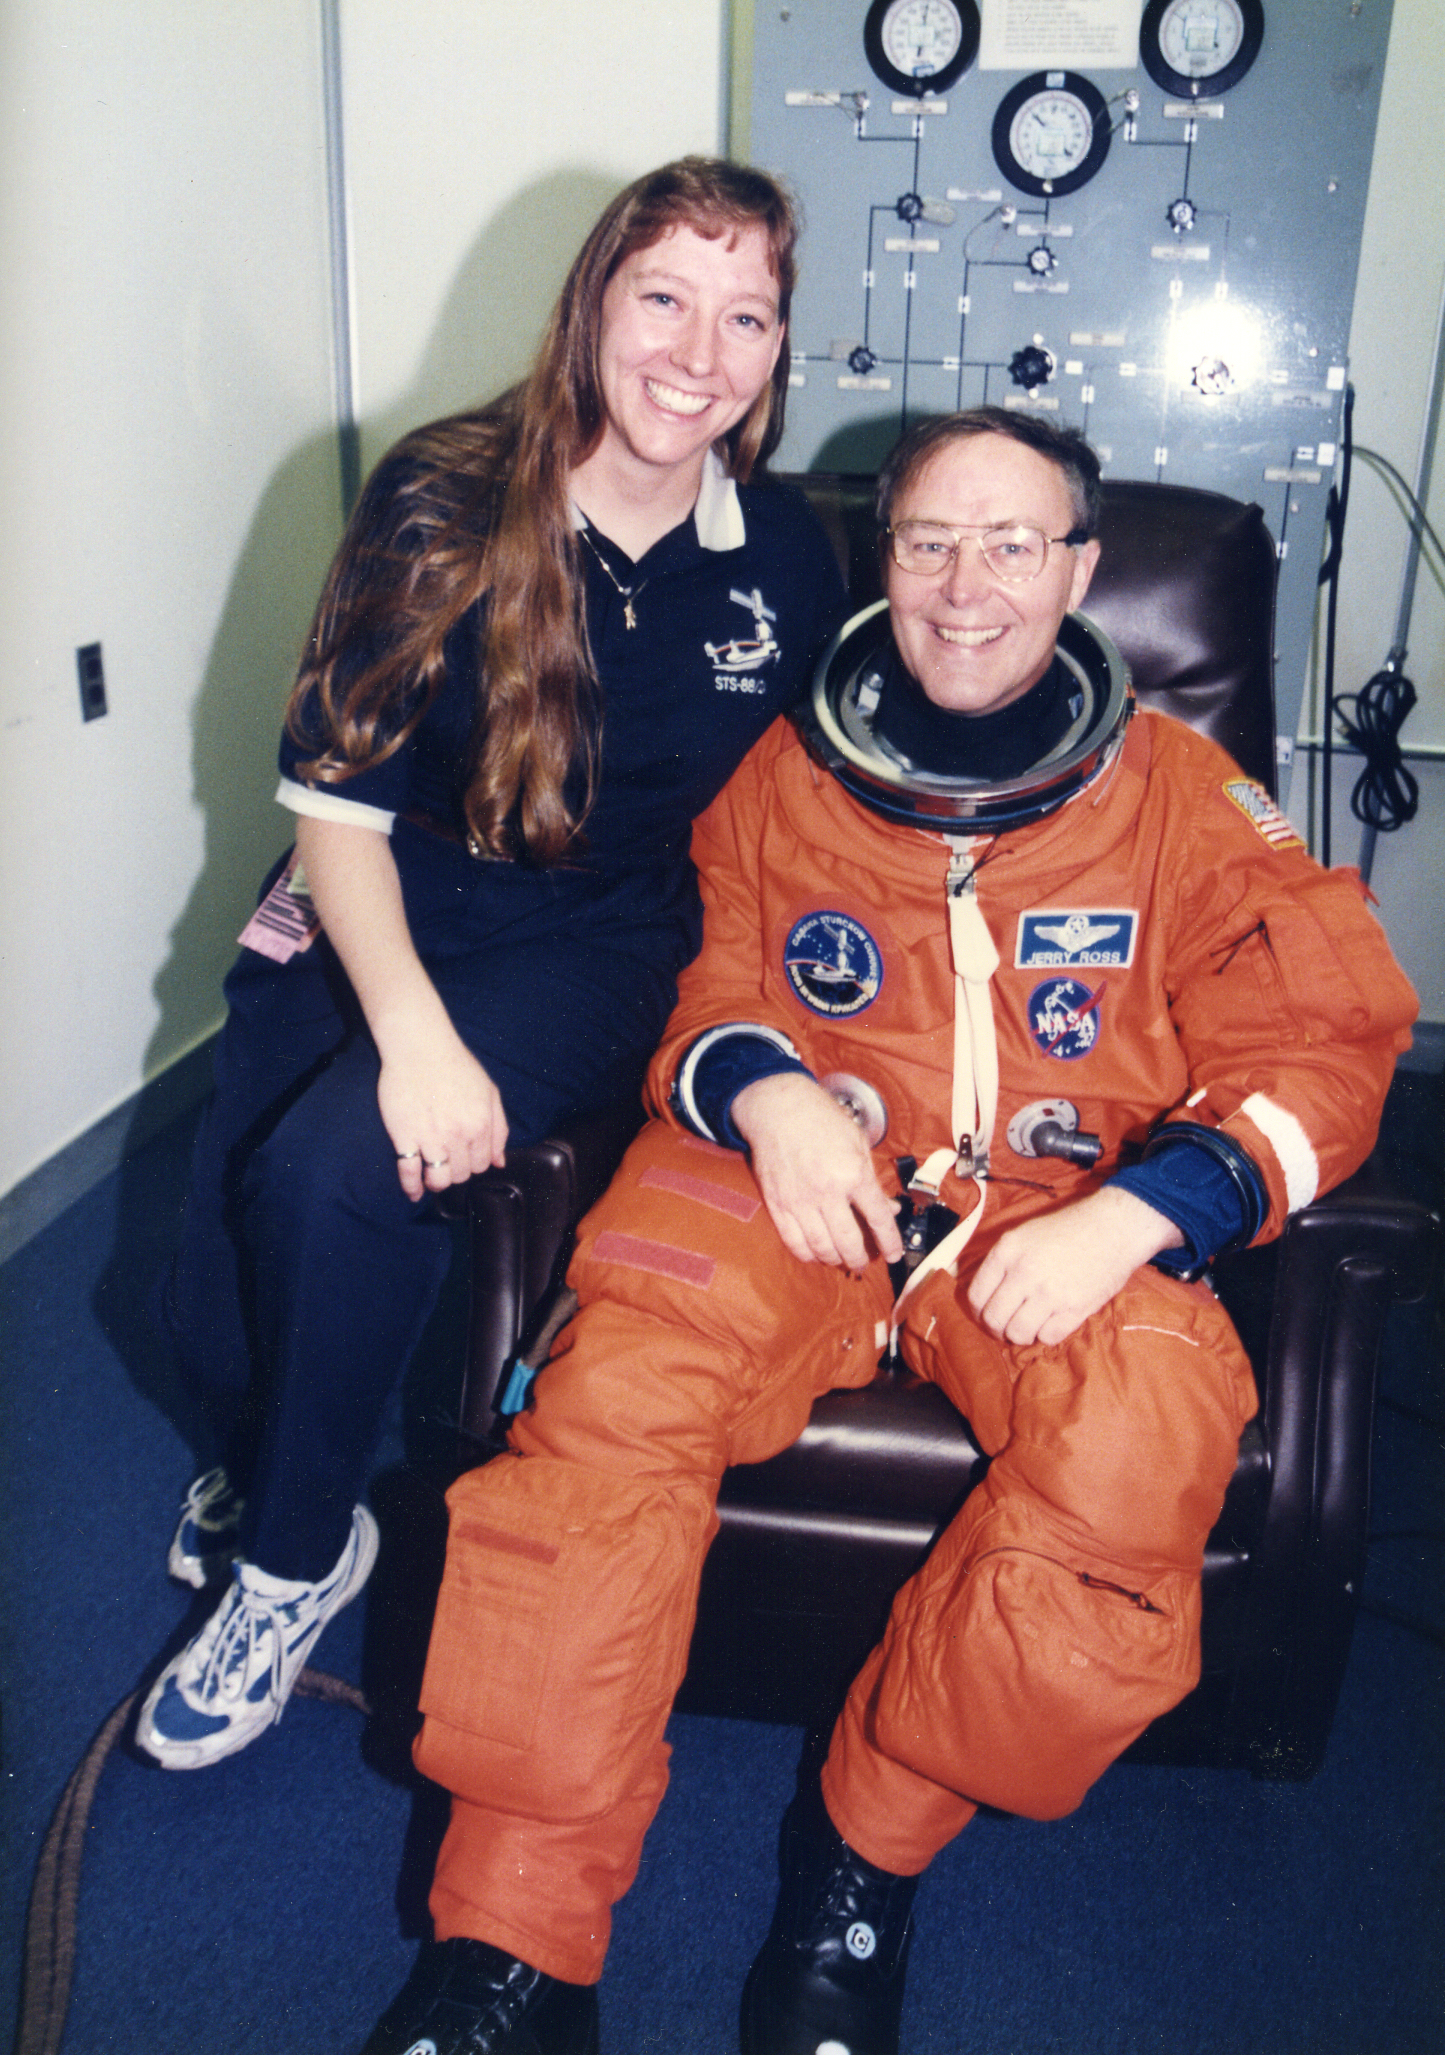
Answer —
1386 794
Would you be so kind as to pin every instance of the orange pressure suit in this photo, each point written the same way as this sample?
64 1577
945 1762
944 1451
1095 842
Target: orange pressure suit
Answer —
1166 947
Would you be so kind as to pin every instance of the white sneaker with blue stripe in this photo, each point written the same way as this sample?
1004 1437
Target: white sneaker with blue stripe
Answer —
204 1547
233 1680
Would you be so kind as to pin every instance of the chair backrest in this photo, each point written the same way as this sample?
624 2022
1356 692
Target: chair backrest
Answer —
1185 587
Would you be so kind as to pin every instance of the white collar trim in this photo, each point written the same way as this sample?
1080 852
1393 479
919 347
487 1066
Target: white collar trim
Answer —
717 510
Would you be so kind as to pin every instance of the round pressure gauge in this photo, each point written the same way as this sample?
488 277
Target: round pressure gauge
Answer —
921 46
1051 133
1200 46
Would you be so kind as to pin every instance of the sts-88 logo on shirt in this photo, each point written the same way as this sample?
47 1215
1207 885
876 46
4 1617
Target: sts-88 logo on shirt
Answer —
735 664
832 964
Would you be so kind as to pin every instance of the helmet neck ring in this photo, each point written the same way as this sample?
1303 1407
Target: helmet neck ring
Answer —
838 726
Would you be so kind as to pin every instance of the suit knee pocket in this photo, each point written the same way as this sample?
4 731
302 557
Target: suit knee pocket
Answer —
492 1637
563 1646
1089 1635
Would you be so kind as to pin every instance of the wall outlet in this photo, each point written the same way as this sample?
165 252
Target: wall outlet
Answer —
91 667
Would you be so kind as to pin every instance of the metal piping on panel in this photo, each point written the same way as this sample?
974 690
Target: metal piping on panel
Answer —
348 434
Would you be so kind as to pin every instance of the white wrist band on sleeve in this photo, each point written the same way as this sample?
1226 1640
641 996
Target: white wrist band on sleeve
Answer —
682 1087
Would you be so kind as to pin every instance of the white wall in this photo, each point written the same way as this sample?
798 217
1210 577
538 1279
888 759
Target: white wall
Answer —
1397 307
167 437
170 492
482 142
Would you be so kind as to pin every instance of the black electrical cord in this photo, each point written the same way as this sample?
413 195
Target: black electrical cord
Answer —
1386 794
1336 508
1419 521
48 1963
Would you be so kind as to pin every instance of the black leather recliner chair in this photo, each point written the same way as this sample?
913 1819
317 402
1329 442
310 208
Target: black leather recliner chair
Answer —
814 1543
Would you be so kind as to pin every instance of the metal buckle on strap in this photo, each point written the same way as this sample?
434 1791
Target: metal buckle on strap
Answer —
972 1158
960 870
926 1177
921 1228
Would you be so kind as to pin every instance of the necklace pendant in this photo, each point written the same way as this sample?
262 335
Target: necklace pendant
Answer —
627 614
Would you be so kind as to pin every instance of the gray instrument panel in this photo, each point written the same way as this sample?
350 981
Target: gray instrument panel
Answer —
1173 272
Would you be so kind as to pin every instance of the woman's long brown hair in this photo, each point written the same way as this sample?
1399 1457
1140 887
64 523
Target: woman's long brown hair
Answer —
480 504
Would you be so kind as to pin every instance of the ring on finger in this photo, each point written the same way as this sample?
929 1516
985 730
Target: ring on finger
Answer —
407 1155
437 1162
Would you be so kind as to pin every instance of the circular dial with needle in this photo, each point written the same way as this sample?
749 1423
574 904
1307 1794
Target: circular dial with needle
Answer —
921 46
1200 46
1051 133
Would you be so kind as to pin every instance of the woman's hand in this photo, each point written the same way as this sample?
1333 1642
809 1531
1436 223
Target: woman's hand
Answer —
441 1110
814 1172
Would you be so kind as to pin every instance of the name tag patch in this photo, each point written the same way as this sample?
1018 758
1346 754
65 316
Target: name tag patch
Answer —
285 922
1056 937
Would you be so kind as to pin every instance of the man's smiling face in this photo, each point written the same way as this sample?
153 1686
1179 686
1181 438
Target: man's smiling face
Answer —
971 640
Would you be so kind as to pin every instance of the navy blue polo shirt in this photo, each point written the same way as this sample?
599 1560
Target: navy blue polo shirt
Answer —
723 642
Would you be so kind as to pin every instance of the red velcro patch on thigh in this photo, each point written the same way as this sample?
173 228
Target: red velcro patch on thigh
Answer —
633 1253
478 1532
740 1205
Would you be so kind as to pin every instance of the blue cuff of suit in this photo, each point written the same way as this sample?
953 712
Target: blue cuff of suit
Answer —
1205 1183
718 1066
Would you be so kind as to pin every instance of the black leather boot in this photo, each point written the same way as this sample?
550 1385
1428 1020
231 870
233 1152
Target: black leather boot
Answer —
829 1977
468 1998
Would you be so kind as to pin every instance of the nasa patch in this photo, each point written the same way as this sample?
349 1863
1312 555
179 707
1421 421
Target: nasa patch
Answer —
1257 806
1064 1017
833 964
1056 937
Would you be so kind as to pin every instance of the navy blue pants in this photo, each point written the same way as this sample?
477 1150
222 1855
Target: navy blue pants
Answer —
305 1276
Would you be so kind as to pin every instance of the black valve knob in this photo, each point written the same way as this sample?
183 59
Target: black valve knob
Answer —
1030 367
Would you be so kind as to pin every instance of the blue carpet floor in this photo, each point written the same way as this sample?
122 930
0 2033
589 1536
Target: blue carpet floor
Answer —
272 1903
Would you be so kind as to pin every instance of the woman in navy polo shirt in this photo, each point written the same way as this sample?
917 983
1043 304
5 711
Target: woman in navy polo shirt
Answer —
553 629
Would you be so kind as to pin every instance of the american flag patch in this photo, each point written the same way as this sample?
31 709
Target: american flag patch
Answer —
285 922
1257 806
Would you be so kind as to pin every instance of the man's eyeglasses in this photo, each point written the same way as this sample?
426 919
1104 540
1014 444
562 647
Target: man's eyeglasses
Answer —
1014 554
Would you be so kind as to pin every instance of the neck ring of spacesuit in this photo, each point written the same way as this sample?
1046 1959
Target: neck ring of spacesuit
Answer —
838 725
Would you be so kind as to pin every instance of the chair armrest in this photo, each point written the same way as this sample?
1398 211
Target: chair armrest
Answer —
1341 1264
522 1221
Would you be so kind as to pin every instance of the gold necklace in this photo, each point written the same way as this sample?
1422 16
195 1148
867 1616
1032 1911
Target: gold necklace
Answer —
627 592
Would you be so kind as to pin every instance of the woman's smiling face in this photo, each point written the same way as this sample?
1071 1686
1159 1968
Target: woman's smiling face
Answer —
689 337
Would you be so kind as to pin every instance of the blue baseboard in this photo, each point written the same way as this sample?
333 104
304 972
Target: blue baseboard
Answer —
74 1170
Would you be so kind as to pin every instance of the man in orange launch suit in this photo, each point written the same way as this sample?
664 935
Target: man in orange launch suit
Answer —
978 929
